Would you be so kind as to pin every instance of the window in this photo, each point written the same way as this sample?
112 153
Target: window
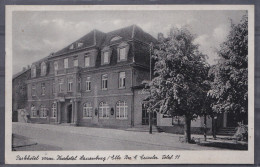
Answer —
75 62
87 62
56 65
33 74
43 111
88 84
103 110
106 58
87 110
43 88
104 82
54 110
43 68
122 54
53 87
79 84
70 85
115 38
121 110
122 80
66 63
71 46
60 85
33 111
33 90
80 44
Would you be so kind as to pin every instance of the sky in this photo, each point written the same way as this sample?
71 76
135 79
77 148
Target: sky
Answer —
36 34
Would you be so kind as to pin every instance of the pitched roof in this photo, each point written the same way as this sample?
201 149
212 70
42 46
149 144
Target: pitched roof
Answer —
20 73
93 38
100 39
127 33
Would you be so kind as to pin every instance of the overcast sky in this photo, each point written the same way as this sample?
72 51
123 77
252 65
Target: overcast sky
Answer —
37 34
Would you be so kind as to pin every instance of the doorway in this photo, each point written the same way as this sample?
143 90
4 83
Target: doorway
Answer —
69 113
145 116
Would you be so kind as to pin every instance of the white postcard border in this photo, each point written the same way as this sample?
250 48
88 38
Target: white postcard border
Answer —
186 157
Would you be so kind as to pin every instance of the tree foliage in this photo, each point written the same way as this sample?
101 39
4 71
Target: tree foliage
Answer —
179 87
230 84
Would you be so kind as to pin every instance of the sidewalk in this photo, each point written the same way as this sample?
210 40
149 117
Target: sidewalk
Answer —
113 136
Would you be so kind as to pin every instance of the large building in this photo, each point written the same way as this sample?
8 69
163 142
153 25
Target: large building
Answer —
91 81
97 81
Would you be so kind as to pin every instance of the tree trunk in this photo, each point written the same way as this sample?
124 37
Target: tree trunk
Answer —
187 135
205 127
150 122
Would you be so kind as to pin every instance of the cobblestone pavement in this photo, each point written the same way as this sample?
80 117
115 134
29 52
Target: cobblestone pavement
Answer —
90 138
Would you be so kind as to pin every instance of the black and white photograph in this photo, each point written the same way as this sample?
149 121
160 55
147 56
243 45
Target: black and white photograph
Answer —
130 84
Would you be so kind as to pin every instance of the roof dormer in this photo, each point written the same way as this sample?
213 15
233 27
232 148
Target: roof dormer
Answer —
116 38
33 71
106 55
43 68
122 51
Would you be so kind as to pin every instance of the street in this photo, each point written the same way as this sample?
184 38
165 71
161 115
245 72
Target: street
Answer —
57 137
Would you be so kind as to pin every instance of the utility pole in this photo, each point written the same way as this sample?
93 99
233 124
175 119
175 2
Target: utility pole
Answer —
150 111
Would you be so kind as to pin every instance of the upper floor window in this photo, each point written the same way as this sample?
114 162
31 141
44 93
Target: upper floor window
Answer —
104 82
87 110
122 80
122 54
79 84
106 57
103 110
75 62
88 84
70 85
43 88
66 63
60 85
54 110
87 61
43 111
33 111
121 110
33 71
43 68
53 87
56 65
33 90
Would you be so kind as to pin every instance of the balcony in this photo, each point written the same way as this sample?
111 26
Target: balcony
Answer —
65 95
67 71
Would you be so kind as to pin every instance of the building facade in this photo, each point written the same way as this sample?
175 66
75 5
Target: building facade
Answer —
90 82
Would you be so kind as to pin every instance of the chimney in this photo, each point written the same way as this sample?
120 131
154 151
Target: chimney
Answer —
160 37
28 66
24 68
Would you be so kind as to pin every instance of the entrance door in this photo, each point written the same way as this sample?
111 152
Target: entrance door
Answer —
145 116
69 113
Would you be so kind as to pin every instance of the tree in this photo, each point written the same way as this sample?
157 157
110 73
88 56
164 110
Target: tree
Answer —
178 87
230 84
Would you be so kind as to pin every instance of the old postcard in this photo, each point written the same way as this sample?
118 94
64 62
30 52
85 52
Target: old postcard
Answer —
137 84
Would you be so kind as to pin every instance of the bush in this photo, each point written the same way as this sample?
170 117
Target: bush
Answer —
242 132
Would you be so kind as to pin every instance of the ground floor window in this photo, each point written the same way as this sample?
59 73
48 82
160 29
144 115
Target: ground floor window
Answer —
121 110
33 111
54 110
103 110
87 110
43 112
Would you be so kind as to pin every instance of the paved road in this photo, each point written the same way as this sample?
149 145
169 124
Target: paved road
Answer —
89 138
